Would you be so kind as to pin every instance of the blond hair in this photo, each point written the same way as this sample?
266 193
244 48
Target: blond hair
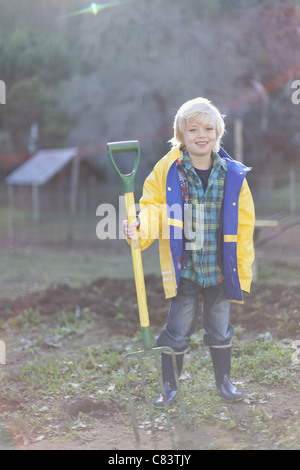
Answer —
203 110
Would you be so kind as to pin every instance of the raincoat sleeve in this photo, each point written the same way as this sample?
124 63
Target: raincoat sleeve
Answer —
245 247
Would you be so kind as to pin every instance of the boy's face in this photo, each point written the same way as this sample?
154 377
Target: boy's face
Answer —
199 139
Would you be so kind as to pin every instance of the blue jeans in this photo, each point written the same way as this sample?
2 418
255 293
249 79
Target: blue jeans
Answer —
183 313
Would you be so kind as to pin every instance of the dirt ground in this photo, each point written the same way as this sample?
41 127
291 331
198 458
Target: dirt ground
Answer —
261 313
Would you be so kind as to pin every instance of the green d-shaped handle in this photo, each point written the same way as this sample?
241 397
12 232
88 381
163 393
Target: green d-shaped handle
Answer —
127 180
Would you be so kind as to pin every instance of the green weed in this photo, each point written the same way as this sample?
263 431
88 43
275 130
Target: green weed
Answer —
265 362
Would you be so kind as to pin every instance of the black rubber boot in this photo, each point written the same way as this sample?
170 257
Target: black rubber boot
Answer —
221 359
168 378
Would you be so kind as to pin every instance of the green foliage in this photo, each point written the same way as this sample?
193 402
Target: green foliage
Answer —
28 318
26 104
34 66
265 362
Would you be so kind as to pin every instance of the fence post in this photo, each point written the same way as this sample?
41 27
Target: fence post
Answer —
238 140
73 197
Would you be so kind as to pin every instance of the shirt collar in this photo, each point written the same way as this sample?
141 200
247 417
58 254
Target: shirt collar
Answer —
218 162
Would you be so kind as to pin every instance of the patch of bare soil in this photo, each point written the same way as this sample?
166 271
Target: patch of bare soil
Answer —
271 308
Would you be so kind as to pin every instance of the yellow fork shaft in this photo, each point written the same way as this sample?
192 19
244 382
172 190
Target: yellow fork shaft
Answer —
139 275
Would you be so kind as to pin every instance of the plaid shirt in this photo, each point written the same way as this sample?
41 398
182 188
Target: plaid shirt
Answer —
203 221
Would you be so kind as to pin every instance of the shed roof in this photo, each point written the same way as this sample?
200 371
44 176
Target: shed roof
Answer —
41 167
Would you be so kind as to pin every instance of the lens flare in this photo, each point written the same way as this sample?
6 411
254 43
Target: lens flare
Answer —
94 8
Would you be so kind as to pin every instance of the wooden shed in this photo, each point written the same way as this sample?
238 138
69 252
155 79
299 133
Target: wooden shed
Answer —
37 171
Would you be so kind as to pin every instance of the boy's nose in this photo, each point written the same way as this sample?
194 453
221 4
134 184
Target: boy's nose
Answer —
201 132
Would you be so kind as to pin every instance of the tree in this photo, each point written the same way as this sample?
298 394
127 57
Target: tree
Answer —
34 66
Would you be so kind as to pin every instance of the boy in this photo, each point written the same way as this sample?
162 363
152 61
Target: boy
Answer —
197 201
